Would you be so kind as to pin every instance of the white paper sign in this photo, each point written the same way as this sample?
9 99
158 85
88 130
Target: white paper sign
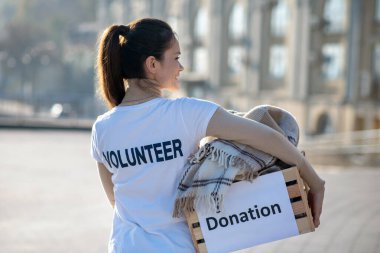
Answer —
254 213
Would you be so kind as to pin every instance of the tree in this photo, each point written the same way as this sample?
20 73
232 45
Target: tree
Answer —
35 35
24 50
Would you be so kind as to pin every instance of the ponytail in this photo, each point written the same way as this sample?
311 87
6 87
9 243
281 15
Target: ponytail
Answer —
109 64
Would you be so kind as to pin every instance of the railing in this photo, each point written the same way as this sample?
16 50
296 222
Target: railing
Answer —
347 143
47 123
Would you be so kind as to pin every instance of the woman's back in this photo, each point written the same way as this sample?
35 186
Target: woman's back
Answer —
145 147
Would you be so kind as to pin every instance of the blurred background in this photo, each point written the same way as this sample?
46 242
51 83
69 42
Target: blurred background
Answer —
319 59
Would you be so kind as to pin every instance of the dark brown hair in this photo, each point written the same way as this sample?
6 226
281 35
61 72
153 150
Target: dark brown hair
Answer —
123 50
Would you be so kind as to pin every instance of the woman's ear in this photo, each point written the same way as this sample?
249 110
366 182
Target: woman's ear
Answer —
151 65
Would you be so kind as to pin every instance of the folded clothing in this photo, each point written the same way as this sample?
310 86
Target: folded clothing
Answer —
212 169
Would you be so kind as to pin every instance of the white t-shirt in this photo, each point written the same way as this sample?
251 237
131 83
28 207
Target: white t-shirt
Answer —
145 147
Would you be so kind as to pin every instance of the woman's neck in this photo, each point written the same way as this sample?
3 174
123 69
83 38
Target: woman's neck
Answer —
140 90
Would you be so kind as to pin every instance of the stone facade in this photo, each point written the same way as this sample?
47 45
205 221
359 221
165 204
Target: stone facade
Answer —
318 59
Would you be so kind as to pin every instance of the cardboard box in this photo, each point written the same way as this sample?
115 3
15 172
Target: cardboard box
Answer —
273 207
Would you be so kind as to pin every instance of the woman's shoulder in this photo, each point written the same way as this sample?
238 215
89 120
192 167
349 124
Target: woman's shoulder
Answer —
190 101
195 107
190 105
103 118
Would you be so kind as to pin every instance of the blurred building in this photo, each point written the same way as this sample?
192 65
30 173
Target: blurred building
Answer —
318 59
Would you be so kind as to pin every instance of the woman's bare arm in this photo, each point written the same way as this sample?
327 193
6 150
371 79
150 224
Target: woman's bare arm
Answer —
105 177
227 126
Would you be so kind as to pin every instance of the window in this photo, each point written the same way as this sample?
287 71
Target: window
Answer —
279 19
238 21
200 60
277 50
277 61
200 63
237 28
332 66
174 14
335 15
377 14
201 24
235 60
376 62
173 22
376 71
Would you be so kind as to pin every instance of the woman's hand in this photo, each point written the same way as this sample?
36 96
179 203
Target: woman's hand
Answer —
227 126
315 200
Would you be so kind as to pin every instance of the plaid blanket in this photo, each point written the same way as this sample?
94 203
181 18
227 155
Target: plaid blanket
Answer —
213 168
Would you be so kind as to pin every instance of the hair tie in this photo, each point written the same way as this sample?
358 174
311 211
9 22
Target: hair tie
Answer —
123 34
124 30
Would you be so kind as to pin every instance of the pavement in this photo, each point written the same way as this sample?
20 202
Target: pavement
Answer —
51 200
350 221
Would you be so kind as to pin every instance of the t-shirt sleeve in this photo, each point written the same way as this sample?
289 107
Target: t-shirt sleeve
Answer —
94 145
196 115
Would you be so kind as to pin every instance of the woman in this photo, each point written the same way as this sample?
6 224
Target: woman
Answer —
141 144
